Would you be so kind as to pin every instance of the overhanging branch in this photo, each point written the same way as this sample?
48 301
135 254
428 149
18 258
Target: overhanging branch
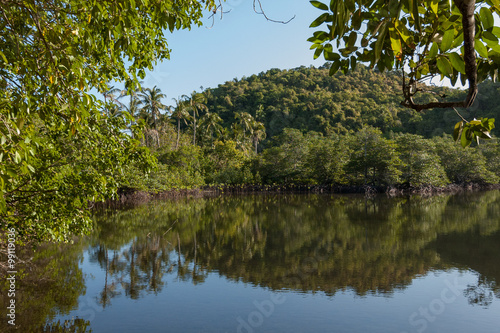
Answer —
466 8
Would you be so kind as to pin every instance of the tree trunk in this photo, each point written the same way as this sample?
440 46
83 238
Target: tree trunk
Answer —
194 128
178 133
153 111
467 8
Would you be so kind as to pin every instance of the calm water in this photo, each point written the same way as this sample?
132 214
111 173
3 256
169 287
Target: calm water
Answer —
274 263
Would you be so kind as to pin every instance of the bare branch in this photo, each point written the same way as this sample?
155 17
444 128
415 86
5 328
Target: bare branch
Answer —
460 115
264 14
214 11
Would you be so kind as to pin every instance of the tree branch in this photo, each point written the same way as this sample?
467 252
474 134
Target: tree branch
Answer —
466 8
264 14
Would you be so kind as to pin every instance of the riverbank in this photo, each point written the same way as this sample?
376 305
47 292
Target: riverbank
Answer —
132 197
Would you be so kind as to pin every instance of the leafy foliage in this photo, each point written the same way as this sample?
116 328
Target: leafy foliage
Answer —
463 165
373 159
420 164
452 39
60 146
471 131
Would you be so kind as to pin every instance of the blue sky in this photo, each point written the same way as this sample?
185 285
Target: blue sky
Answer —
241 44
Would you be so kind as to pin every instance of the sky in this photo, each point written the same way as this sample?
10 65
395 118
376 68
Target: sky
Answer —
240 44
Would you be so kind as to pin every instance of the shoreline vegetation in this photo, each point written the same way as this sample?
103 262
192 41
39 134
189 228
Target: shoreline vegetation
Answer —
133 197
303 131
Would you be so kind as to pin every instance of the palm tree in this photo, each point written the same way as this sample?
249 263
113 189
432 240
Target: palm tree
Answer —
151 99
134 106
245 120
111 94
134 103
258 133
238 135
210 123
180 113
195 103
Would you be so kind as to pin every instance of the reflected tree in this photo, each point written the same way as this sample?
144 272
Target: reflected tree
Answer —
480 294
76 325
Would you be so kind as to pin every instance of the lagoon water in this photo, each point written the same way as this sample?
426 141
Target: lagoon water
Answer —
274 263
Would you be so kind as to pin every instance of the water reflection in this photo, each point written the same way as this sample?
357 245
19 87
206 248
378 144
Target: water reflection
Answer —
48 282
302 243
306 243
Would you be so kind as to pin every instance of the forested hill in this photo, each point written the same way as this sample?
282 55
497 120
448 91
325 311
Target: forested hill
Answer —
310 100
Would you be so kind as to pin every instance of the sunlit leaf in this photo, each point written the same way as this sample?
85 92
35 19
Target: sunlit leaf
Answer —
444 66
434 6
319 21
447 40
486 18
396 44
480 48
458 130
319 5
457 62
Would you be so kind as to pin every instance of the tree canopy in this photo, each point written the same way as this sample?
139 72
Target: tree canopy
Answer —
451 39
308 99
59 148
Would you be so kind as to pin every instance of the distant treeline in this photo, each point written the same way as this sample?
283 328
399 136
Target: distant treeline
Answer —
308 99
302 126
362 158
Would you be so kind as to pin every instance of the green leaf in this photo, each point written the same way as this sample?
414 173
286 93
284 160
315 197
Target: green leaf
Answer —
331 56
444 66
433 51
457 62
414 14
466 139
346 51
489 38
496 31
403 30
319 21
318 52
480 48
319 5
458 130
488 123
352 39
380 42
17 158
335 67
434 6
458 41
3 57
353 62
447 40
486 18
